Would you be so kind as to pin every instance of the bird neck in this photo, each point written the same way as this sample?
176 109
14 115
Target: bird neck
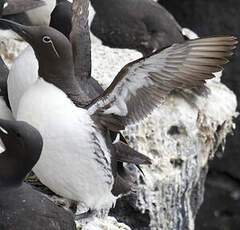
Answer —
62 79
14 165
19 157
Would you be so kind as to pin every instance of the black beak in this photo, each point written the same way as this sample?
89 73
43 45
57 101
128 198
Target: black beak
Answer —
21 30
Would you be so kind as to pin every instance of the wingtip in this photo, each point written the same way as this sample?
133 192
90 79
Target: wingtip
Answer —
148 161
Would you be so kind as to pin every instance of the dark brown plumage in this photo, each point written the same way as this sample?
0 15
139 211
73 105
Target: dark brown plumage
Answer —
142 25
21 207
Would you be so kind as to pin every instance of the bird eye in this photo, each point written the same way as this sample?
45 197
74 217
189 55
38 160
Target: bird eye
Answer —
46 39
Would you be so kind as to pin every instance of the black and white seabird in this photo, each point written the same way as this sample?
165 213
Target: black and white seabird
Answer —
20 79
142 25
78 152
21 207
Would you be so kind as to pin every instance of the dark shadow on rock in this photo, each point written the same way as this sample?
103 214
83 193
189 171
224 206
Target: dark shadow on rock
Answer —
126 212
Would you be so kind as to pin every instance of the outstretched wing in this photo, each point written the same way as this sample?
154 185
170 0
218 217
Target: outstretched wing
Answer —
20 6
143 84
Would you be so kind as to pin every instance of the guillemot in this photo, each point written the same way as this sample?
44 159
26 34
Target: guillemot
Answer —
19 80
78 152
142 25
21 207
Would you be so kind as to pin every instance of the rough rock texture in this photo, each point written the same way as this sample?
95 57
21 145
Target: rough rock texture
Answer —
207 18
109 223
179 137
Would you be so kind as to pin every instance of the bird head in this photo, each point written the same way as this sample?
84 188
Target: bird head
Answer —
52 49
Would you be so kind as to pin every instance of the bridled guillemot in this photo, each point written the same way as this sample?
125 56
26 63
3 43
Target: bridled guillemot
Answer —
78 152
21 207
19 80
142 25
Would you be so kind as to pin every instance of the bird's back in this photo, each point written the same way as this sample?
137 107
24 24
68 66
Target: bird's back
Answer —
134 24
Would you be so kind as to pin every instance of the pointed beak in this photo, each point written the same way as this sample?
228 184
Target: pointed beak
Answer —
21 30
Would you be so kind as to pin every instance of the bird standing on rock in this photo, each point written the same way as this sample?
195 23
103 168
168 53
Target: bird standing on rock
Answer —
21 207
78 152
142 25
20 79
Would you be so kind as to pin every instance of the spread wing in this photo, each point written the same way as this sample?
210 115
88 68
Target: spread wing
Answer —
143 84
20 6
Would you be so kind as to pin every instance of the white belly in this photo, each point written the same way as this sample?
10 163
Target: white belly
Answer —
23 74
71 164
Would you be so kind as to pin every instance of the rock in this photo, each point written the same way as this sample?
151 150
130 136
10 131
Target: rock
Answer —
101 224
208 18
180 138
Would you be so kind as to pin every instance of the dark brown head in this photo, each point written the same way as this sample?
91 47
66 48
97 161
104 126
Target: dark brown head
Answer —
21 146
52 49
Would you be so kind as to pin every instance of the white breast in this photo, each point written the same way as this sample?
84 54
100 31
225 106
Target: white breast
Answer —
75 162
23 74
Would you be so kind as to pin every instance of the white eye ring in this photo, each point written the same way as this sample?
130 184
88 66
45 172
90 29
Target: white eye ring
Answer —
46 39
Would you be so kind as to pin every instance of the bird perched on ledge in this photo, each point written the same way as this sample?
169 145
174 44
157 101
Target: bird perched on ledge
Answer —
78 151
21 207
142 25
18 83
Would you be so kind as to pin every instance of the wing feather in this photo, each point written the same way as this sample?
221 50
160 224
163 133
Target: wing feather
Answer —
144 84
